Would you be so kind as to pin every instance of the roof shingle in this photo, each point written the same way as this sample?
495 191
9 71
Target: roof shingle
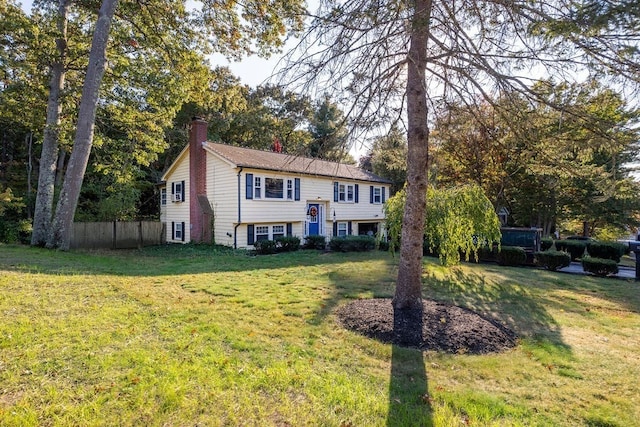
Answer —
268 160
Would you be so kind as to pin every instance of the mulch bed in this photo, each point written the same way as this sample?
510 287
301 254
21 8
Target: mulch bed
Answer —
440 327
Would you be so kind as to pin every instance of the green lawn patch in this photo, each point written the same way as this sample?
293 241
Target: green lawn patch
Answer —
200 335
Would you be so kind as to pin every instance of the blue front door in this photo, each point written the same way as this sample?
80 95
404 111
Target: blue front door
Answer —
313 214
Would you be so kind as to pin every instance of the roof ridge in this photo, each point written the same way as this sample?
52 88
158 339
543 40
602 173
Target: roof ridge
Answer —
297 156
288 162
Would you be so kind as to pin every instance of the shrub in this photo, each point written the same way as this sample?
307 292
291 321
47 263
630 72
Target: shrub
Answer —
575 248
352 244
428 249
599 266
383 245
606 250
265 247
546 243
552 260
288 243
511 255
315 242
484 253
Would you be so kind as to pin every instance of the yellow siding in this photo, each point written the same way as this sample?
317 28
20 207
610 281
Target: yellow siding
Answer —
178 212
222 189
222 192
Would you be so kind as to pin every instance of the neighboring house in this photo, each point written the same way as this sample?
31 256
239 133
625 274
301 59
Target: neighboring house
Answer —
235 196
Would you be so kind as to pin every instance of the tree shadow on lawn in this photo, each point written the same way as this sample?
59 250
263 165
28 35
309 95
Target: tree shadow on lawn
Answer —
622 292
512 305
162 261
409 403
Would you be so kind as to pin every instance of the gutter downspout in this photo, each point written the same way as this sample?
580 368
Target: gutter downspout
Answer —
235 229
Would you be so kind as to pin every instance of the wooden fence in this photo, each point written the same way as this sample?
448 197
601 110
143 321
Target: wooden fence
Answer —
117 234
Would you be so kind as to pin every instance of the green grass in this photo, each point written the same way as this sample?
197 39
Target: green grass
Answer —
195 335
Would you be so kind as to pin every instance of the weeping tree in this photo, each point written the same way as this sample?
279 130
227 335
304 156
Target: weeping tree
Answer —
459 220
405 59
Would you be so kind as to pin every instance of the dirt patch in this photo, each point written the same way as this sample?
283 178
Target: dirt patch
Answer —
439 326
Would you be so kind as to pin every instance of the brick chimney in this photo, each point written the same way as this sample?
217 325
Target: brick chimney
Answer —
199 220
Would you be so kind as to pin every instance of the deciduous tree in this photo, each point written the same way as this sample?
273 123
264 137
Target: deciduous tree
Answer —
420 53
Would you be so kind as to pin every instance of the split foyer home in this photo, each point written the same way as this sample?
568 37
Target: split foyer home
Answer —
235 196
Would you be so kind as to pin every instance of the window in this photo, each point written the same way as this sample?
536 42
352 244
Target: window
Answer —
262 232
256 233
261 187
257 188
377 195
347 193
163 197
178 231
273 188
277 231
177 191
342 229
289 189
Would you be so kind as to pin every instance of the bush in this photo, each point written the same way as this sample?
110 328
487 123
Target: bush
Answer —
484 253
352 244
575 248
599 266
546 243
511 255
265 247
288 244
606 250
429 249
383 245
552 260
315 242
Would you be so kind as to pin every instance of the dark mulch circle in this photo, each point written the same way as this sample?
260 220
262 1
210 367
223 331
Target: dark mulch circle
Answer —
441 327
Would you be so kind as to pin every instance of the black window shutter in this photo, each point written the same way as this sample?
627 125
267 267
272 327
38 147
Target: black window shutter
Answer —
249 192
371 194
297 189
183 199
335 191
289 229
383 194
250 236
173 230
335 229
356 189
173 189
183 233
350 229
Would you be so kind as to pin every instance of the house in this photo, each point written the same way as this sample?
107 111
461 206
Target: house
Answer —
235 196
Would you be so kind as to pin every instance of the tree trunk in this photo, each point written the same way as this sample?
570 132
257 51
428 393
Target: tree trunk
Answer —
60 236
408 293
49 156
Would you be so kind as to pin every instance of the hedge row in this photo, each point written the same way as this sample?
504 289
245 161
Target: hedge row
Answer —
606 250
511 255
281 244
352 244
575 248
599 266
337 244
552 260
579 248
315 242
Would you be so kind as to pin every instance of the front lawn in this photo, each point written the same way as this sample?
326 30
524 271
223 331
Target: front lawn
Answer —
194 335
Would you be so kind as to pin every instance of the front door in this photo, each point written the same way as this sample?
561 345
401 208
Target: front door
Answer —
313 218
